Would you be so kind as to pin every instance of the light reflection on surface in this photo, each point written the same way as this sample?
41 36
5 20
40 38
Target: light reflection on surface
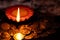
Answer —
18 36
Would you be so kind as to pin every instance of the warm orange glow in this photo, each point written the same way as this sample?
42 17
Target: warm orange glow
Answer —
18 36
18 15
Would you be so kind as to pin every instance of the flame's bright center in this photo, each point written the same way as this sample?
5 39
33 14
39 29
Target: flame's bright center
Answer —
18 15
18 36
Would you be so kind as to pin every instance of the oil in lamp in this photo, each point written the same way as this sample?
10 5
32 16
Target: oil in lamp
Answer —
19 13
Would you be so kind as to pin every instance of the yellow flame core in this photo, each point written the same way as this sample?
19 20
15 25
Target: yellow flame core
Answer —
18 15
18 36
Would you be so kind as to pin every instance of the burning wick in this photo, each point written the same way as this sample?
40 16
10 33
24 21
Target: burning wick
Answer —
18 36
18 15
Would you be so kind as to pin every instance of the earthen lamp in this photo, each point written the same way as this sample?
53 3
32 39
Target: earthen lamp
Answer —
19 13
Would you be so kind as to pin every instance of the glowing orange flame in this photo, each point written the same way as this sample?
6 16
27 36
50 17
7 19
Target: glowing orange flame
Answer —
18 36
18 15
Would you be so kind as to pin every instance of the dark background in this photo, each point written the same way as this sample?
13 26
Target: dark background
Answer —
41 11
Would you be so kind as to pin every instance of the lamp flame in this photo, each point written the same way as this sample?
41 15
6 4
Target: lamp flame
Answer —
18 36
18 15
